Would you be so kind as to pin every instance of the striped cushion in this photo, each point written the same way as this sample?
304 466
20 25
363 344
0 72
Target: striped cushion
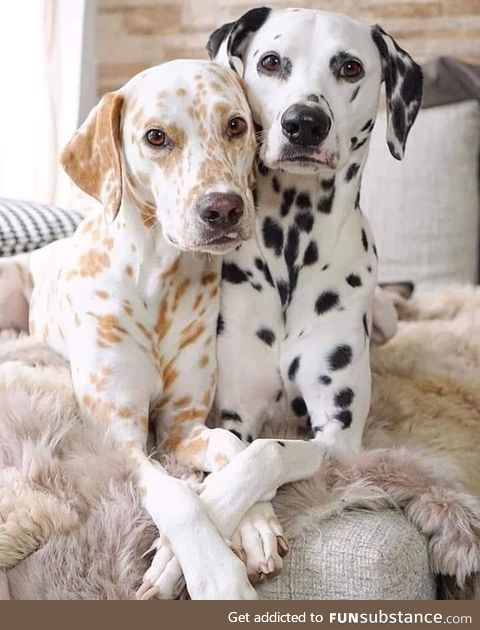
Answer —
26 225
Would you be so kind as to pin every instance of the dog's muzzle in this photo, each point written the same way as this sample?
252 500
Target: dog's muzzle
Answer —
305 125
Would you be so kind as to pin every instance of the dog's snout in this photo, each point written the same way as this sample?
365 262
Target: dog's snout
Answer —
220 210
305 125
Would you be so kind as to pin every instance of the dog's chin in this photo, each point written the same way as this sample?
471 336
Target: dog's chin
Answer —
308 163
218 245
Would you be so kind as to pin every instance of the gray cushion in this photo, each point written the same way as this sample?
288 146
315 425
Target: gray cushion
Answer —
357 555
424 211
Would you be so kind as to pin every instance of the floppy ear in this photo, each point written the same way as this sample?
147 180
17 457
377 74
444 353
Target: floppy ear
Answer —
92 157
403 86
231 40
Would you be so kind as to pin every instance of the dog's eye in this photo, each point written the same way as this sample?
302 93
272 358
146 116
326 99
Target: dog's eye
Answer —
271 62
237 126
155 137
351 69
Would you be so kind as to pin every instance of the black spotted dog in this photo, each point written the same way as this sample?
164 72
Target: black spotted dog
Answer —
297 300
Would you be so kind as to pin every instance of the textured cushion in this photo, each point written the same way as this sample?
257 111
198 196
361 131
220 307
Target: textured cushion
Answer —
25 225
357 555
424 211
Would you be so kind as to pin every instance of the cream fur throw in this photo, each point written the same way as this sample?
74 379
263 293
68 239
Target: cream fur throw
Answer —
71 524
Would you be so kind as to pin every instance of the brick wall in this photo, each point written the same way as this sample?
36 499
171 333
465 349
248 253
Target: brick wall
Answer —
134 34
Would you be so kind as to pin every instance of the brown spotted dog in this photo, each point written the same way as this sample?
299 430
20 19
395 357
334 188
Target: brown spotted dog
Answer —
132 299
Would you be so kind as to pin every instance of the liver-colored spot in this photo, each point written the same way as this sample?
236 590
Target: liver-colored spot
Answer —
190 334
92 263
208 278
203 361
163 321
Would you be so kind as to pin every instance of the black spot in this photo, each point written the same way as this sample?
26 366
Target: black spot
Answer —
355 94
291 247
313 98
317 430
411 84
291 255
365 325
303 201
364 240
340 357
325 267
282 287
220 324
288 197
299 407
375 250
357 144
249 439
304 221
286 69
325 203
230 415
257 287
344 417
353 280
357 200
311 254
368 125
236 433
393 150
325 380
275 184
266 335
326 301
279 395
369 268
338 60
232 273
327 184
344 397
272 235
293 368
281 443
263 170
352 171
398 118
261 266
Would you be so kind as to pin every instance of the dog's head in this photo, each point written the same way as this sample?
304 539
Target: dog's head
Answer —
313 81
178 141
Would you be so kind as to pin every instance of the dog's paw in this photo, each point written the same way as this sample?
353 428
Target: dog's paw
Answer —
164 578
259 541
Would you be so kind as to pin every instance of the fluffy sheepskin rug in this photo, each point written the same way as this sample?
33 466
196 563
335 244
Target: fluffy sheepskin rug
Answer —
65 495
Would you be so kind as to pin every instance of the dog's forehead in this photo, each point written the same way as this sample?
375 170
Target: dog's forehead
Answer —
177 86
300 30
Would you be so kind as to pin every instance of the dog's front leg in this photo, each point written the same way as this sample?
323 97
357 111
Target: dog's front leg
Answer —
120 398
335 382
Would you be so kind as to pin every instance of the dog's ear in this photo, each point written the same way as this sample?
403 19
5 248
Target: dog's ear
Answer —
230 41
403 86
92 157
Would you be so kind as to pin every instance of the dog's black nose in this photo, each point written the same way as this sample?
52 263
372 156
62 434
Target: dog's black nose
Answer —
220 210
305 125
